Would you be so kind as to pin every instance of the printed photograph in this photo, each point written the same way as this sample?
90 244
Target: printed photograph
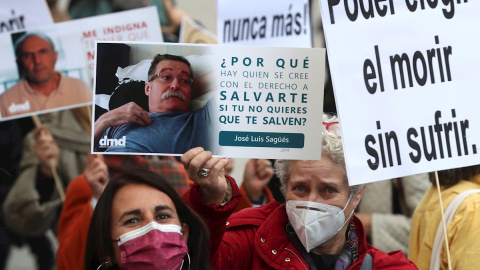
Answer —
47 78
153 99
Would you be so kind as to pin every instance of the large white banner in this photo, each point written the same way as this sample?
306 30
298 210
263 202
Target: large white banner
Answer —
236 101
74 41
405 75
19 15
266 23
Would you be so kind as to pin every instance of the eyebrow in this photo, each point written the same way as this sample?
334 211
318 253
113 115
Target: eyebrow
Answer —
162 207
138 211
170 69
131 212
324 182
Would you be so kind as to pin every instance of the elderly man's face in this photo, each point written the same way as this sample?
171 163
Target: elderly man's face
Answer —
321 181
38 59
170 90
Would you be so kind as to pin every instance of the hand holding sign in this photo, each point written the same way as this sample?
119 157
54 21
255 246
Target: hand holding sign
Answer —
46 150
213 185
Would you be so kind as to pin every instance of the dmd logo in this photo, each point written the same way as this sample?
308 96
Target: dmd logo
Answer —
105 142
15 108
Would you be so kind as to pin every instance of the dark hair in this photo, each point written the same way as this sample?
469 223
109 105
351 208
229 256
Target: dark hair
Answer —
99 243
18 43
448 178
162 57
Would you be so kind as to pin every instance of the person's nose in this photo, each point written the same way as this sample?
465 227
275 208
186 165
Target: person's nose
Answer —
36 57
315 197
174 85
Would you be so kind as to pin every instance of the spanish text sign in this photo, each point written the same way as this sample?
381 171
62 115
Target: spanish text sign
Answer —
267 23
19 15
72 55
236 101
405 75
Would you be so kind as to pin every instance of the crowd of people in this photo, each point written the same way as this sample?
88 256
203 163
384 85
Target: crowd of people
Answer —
159 212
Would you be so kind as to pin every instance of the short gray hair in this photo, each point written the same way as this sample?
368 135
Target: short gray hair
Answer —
331 146
18 43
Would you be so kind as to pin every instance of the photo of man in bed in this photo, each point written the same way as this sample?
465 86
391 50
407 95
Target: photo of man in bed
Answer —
169 126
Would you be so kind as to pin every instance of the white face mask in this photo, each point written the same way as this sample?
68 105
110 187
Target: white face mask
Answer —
314 222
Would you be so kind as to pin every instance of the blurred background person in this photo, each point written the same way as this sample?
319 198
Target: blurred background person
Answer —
463 232
12 133
33 203
58 14
386 210
254 188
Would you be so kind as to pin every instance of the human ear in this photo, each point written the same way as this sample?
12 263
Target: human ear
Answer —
356 198
185 231
147 88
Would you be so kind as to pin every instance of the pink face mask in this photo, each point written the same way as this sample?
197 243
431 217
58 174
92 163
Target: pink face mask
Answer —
154 246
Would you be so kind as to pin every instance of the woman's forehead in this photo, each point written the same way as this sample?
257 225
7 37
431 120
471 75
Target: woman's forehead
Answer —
322 171
140 196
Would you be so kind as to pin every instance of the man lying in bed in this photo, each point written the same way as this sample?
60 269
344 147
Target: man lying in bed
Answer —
168 127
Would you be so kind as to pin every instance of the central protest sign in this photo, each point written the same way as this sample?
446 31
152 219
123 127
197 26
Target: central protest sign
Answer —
264 23
243 101
405 80
74 41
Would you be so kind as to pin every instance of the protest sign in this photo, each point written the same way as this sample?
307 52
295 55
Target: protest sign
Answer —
242 101
405 80
19 15
74 41
192 32
265 23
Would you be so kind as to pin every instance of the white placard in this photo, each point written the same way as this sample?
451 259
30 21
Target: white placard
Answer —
75 42
19 15
283 23
405 75
247 102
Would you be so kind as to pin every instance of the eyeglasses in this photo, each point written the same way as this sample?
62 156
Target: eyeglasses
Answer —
38 54
167 77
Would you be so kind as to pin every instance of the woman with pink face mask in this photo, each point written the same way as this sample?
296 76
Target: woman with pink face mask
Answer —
140 222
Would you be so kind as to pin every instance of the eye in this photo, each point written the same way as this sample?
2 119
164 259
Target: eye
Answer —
331 190
131 221
300 188
162 216
28 55
166 78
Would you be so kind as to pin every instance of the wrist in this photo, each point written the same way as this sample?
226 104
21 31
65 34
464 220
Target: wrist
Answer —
254 194
216 197
212 197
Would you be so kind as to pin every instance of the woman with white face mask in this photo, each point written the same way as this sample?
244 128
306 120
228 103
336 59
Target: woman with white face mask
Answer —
315 229
140 222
